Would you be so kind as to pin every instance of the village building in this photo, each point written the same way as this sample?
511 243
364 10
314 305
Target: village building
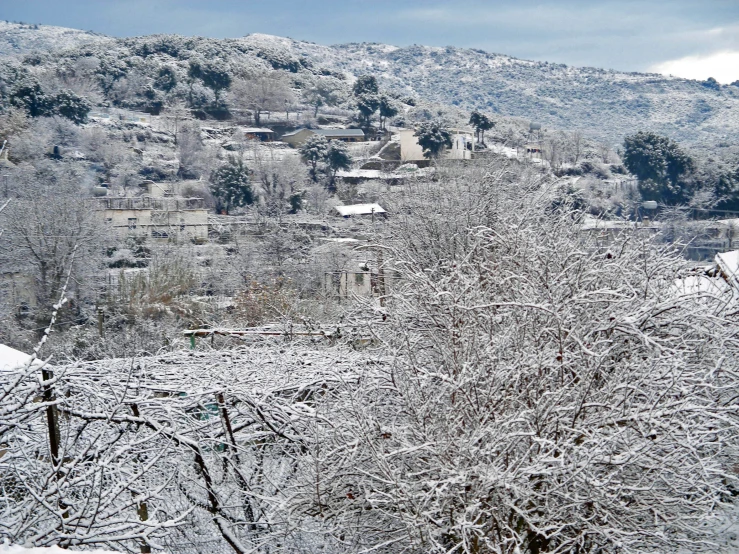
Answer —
258 133
411 151
462 145
298 138
362 276
158 213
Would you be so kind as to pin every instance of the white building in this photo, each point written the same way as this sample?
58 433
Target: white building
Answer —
411 151
158 213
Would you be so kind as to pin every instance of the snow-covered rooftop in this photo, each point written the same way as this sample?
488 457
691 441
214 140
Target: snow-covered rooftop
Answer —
10 358
359 209
728 263
328 133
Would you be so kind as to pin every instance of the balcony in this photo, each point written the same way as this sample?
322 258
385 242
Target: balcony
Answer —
148 203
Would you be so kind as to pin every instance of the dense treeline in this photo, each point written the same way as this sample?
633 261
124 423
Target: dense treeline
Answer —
669 174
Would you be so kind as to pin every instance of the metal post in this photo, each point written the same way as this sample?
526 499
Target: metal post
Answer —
192 341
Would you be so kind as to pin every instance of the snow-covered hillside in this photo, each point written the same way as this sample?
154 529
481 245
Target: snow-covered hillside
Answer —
19 38
604 104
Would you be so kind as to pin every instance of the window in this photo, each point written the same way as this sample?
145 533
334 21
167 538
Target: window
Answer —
159 234
132 222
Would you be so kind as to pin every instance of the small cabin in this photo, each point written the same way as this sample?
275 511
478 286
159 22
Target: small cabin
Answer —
259 133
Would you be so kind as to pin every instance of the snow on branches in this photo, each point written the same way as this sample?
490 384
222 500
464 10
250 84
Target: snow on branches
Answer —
186 447
546 394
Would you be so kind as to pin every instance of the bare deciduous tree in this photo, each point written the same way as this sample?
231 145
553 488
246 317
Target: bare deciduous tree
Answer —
542 394
261 93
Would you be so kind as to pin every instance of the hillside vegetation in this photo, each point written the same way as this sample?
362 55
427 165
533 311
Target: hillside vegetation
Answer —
605 104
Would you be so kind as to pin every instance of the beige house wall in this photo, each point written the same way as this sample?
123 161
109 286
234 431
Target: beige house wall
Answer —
298 138
410 150
159 224
346 284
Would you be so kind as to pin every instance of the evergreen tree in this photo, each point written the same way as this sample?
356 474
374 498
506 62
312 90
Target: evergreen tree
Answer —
433 137
73 107
231 186
388 108
367 96
664 170
481 123
367 105
215 78
26 93
337 157
366 84
313 152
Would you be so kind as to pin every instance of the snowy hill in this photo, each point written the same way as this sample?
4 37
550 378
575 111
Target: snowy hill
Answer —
19 38
604 104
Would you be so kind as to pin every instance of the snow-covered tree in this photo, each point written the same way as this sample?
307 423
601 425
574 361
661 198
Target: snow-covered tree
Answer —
337 158
481 123
313 152
433 137
322 94
387 108
231 185
260 93
543 395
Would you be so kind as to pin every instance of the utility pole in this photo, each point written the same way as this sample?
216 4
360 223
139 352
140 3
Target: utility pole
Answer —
52 417
101 320
142 509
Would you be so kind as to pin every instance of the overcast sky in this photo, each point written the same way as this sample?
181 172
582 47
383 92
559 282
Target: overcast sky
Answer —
690 38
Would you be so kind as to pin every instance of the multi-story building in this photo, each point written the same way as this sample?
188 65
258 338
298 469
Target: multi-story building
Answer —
158 214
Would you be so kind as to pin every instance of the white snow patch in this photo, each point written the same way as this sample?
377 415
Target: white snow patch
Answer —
10 358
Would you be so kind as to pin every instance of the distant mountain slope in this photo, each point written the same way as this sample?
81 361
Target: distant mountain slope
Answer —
17 38
604 104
